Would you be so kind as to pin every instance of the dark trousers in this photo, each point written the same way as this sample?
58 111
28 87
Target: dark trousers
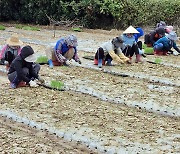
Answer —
13 75
139 43
100 55
129 51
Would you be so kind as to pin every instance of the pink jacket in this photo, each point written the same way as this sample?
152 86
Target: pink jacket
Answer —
2 53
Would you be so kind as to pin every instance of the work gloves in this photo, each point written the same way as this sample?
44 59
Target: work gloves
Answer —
33 84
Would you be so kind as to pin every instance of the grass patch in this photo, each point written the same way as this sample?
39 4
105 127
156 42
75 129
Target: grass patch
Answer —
57 84
2 27
31 28
42 60
77 29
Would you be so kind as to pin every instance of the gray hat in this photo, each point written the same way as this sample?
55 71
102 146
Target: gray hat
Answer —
172 36
71 40
117 42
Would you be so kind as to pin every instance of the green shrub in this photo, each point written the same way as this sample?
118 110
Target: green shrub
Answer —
93 13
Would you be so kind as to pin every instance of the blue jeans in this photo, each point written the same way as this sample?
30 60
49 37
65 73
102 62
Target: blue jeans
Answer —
158 46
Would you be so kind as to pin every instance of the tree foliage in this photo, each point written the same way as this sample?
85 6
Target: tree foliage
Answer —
92 13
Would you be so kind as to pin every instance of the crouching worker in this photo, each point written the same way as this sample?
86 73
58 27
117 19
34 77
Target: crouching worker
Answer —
10 50
65 49
164 44
23 71
131 46
110 51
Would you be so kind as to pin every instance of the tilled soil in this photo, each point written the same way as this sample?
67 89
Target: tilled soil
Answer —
81 109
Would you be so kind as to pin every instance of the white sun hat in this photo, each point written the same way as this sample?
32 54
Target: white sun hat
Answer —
130 30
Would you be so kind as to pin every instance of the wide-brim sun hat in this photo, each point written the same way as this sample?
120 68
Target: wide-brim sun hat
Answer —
14 41
31 58
172 36
130 30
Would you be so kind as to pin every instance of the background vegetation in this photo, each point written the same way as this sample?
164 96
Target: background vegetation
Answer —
92 13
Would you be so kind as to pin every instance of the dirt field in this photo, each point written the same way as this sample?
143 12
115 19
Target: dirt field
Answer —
98 112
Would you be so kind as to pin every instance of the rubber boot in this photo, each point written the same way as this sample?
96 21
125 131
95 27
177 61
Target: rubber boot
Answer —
50 63
109 62
138 58
100 63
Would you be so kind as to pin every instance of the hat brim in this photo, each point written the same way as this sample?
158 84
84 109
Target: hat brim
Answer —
10 43
32 58
130 30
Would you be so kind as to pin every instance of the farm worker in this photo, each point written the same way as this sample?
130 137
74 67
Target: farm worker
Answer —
65 49
161 24
131 46
153 36
23 69
109 51
163 45
167 28
11 49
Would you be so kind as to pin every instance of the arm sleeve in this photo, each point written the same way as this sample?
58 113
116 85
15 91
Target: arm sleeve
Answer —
33 73
2 54
76 57
60 58
115 57
175 47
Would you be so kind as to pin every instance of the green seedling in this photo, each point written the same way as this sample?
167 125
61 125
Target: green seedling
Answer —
148 50
57 85
77 29
31 28
2 27
42 60
144 46
158 60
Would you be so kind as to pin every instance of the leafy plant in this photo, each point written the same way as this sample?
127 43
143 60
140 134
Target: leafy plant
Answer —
2 27
42 60
57 84
148 50
77 29
158 60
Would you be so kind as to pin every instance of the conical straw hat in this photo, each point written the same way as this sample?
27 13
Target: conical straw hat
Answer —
14 41
131 30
